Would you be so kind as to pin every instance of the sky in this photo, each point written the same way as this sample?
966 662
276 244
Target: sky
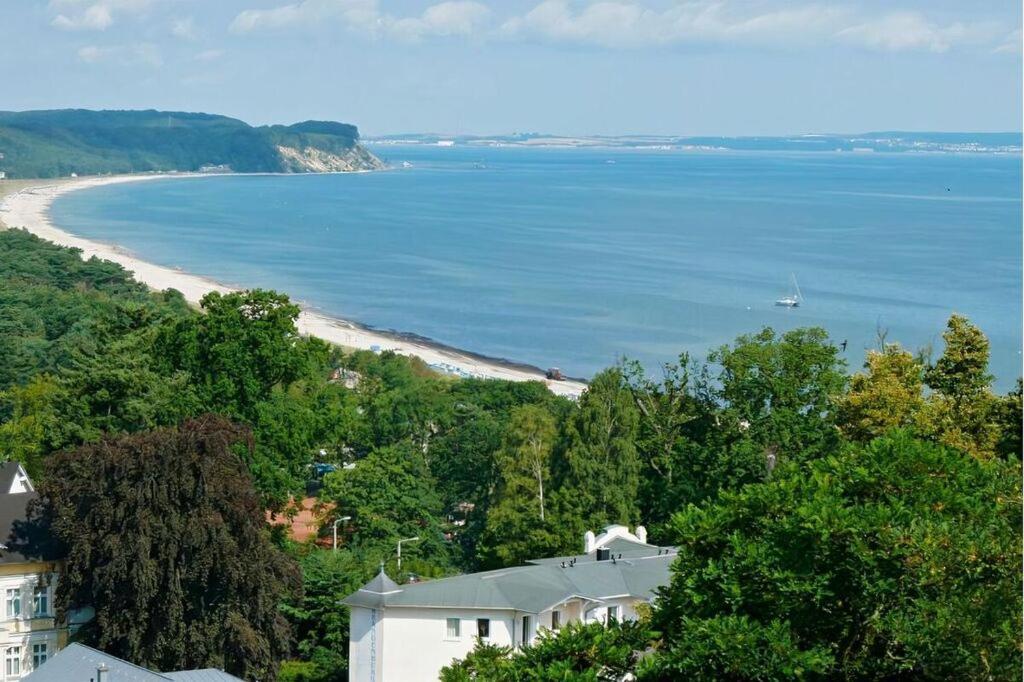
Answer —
570 67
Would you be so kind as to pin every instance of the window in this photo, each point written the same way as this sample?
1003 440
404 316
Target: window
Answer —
13 661
613 613
39 654
14 603
483 628
454 628
556 620
526 629
41 601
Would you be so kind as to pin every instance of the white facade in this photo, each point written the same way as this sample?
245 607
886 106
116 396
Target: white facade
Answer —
29 634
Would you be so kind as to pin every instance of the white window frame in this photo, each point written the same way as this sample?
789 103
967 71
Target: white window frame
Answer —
13 599
613 613
448 623
556 619
479 621
527 622
12 662
41 592
40 655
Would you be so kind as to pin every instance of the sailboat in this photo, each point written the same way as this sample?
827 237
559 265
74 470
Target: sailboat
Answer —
794 299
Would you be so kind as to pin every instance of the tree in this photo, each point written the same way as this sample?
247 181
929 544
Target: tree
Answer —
517 528
601 472
390 495
241 349
887 396
583 652
780 390
960 412
319 625
165 538
897 559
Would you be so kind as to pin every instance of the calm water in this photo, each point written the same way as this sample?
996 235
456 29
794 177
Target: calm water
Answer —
577 257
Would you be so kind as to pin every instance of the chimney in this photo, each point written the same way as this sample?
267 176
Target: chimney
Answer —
604 554
101 673
641 534
589 542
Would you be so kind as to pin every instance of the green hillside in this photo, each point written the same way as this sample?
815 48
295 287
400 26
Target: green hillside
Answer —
45 144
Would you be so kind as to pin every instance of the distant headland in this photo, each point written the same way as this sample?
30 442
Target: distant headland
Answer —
70 142
882 141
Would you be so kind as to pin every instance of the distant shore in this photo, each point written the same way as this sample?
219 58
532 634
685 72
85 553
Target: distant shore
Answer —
26 204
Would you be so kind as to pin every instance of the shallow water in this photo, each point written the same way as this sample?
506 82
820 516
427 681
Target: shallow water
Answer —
578 257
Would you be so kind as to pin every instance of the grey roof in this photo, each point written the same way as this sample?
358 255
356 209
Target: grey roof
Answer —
532 588
374 594
204 675
13 534
78 663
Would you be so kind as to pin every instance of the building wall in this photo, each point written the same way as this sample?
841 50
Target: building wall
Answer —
413 644
28 628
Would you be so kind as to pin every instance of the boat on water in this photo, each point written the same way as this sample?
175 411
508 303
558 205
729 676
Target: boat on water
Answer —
794 299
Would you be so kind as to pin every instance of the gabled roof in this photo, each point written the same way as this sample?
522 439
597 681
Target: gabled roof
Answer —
532 588
12 473
78 663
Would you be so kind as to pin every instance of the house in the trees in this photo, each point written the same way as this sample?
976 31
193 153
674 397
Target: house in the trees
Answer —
407 633
29 630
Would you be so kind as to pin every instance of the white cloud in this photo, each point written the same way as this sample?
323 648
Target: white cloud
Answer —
460 17
639 24
628 24
146 54
451 18
184 29
92 15
362 13
208 55
1012 43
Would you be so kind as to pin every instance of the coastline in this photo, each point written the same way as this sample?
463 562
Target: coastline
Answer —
28 204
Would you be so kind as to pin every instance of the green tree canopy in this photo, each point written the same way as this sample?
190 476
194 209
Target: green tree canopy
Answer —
241 349
390 495
600 476
900 558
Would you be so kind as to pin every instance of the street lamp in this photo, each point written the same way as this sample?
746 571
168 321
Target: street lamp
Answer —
338 520
400 549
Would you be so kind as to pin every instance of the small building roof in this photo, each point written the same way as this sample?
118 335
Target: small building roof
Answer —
374 594
78 663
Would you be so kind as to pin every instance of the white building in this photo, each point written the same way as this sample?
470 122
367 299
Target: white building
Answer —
29 631
407 633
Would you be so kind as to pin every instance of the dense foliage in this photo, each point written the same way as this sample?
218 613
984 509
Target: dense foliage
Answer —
46 144
164 538
829 525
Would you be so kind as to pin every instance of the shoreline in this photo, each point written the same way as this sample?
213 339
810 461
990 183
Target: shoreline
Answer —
27 206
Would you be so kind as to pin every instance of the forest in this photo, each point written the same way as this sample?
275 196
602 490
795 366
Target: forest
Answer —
832 522
57 143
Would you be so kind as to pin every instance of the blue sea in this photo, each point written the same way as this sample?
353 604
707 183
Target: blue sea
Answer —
576 258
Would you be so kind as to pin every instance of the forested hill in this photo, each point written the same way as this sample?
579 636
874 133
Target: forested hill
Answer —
56 143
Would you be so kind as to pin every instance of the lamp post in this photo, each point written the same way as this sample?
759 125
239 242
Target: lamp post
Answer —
334 529
400 549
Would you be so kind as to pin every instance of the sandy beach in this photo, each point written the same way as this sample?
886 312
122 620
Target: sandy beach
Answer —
26 205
